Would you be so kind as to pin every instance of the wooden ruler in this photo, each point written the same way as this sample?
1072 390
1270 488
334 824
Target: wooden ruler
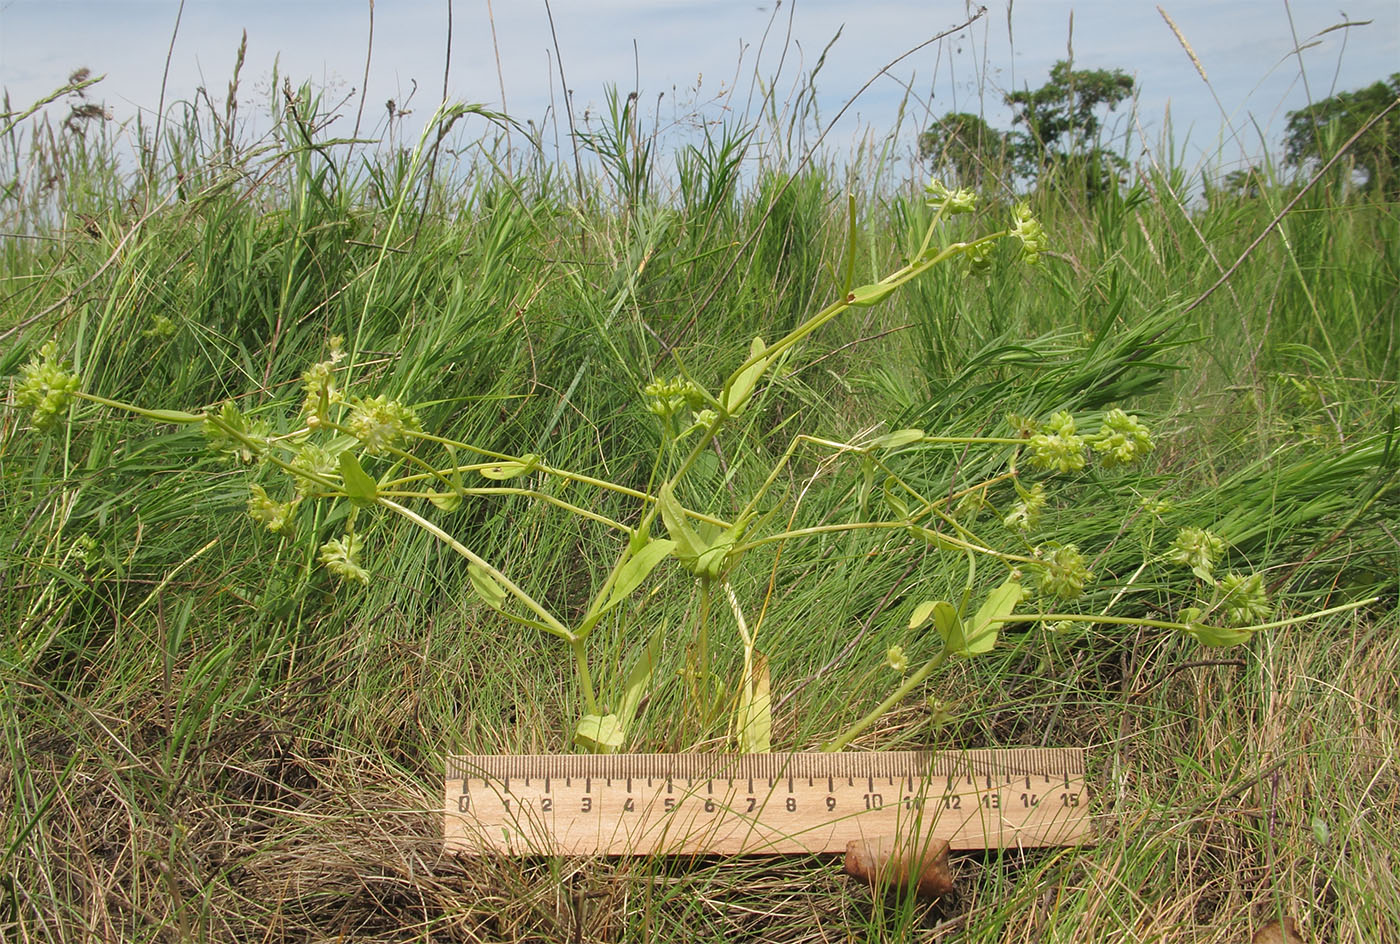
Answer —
729 804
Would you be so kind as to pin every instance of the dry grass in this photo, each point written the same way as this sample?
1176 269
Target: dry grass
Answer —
1208 786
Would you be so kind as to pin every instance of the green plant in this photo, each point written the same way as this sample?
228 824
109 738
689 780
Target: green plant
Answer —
369 456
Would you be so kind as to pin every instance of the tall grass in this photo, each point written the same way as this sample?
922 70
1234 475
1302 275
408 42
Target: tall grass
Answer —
211 741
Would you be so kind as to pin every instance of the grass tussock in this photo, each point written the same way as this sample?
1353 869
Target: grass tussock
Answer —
208 738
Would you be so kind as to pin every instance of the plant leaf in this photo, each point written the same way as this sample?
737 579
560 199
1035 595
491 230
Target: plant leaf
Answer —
900 437
173 416
359 487
600 734
637 681
921 613
500 471
689 547
447 501
741 385
755 716
638 566
948 625
486 585
863 296
985 624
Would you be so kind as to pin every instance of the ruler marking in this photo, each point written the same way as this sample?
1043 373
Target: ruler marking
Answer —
533 803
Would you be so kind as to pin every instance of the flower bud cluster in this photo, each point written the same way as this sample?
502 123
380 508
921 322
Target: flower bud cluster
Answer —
318 383
340 555
275 515
896 659
1031 234
937 194
1242 600
236 435
1060 449
1025 514
1198 549
667 398
1063 573
46 386
1121 440
380 423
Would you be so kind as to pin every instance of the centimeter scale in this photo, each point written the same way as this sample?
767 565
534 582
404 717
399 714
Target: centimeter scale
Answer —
698 804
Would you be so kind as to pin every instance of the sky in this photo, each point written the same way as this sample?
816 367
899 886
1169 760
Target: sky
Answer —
715 58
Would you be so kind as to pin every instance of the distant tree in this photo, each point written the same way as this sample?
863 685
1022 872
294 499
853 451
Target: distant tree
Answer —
1061 137
1246 183
1062 125
963 147
1315 132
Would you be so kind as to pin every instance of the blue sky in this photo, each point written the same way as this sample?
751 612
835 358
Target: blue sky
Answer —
685 56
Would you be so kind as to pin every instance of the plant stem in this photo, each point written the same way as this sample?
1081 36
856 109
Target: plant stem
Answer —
855 730
590 701
551 623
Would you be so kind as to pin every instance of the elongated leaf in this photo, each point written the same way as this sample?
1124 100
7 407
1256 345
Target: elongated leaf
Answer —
447 501
934 538
742 384
921 613
985 624
638 680
359 487
948 625
638 567
173 416
486 586
501 471
755 717
863 296
688 544
599 734
900 437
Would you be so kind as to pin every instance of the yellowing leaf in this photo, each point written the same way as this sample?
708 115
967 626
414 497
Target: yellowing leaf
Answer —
689 547
599 734
637 682
486 585
172 416
921 613
447 501
637 568
500 471
755 716
986 623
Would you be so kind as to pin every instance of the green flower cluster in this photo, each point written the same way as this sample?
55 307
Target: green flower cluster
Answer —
233 434
275 515
1121 440
1031 234
1198 549
667 398
896 659
1060 449
318 383
1025 514
380 423
1242 600
340 557
46 386
1063 573
937 194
